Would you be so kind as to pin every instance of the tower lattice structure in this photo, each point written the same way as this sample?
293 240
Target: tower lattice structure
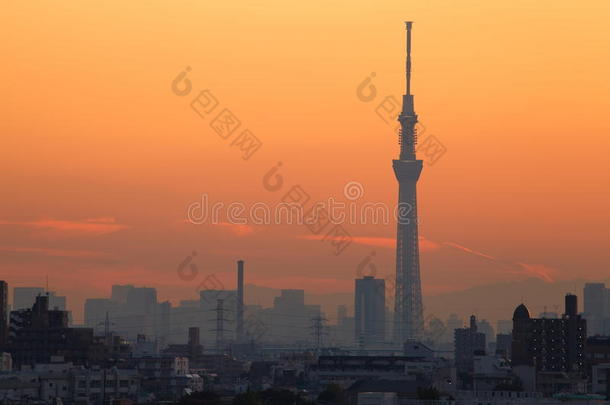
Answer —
408 311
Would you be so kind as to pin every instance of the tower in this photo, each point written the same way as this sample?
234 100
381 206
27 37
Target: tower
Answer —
408 313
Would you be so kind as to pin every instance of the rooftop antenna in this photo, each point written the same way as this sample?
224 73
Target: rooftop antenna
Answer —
409 24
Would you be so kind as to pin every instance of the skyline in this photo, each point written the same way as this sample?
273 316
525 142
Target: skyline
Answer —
103 159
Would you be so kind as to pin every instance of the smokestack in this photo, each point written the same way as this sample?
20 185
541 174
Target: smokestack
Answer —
240 301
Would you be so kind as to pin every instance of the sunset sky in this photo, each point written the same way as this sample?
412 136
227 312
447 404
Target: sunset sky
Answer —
100 159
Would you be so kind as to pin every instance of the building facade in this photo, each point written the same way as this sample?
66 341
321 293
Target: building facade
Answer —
553 345
369 304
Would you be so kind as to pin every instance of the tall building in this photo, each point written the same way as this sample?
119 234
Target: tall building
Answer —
504 326
24 297
597 308
454 322
556 345
408 312
369 307
3 314
343 332
96 310
120 293
291 320
485 328
239 324
38 333
468 342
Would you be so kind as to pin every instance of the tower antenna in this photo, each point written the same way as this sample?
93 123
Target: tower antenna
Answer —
409 24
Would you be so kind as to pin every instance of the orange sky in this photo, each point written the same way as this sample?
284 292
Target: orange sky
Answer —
100 159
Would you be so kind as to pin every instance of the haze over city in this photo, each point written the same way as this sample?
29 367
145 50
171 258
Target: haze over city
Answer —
359 181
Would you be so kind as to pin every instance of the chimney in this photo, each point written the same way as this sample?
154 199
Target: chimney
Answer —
240 302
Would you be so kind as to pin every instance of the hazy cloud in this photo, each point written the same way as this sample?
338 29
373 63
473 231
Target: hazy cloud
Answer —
537 270
236 229
90 226
54 252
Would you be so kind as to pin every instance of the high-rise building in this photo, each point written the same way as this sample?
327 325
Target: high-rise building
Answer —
548 344
291 320
38 333
239 324
595 299
503 344
504 326
3 314
343 333
408 312
485 327
454 322
96 310
468 342
120 293
597 308
369 307
24 297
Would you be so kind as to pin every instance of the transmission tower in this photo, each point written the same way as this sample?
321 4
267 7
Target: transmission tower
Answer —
220 328
318 326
